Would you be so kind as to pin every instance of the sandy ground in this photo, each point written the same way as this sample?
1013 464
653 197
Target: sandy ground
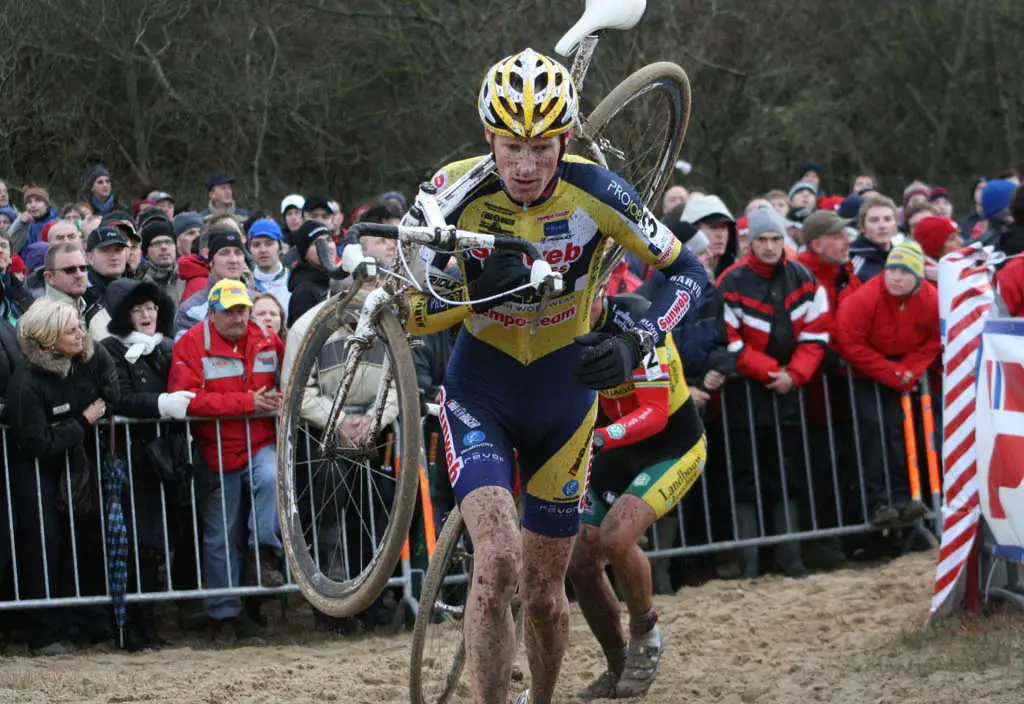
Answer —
850 637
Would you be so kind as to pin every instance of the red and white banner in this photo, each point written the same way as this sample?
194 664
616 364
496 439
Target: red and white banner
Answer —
965 302
1000 436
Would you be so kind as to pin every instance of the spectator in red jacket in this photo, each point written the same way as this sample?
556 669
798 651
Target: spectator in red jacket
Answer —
232 365
888 331
777 320
828 255
1010 286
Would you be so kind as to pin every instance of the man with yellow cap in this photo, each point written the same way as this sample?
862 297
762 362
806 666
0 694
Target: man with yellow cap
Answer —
888 330
233 367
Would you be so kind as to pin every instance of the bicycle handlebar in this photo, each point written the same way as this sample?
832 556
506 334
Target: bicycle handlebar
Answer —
441 238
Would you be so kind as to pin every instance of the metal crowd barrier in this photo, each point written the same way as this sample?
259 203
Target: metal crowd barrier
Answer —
178 550
809 450
812 447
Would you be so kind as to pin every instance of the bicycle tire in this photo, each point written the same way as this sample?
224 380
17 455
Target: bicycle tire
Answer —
432 584
671 80
433 581
350 596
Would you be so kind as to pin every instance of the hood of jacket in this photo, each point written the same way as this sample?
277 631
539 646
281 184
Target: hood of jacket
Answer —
306 273
47 360
125 294
192 267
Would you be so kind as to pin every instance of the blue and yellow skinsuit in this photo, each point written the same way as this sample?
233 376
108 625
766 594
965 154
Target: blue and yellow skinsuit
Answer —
508 390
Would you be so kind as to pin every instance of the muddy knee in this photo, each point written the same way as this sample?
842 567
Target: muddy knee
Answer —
496 570
616 544
588 556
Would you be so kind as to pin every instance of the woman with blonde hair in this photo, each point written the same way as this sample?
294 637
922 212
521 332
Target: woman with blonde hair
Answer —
53 401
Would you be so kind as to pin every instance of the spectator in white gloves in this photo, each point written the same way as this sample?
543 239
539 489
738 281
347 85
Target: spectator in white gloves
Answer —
140 341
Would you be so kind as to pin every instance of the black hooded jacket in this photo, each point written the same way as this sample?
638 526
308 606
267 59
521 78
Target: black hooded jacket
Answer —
141 382
309 286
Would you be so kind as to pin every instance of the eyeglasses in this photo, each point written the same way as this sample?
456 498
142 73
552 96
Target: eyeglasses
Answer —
148 308
72 270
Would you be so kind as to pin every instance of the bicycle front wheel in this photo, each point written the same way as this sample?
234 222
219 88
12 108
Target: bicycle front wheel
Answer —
638 130
438 648
345 512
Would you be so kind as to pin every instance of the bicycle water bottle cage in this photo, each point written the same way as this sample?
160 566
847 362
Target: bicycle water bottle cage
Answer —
599 15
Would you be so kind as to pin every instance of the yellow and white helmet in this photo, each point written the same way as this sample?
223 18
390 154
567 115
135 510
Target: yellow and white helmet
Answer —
528 95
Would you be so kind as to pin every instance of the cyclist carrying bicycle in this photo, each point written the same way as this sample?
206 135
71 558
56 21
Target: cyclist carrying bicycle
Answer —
510 389
649 450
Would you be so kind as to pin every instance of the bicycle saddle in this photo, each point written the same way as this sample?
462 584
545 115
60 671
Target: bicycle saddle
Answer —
601 14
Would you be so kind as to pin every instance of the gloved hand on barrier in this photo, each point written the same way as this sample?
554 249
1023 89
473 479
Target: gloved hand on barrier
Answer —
174 405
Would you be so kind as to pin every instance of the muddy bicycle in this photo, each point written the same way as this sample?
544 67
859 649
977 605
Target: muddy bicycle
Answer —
332 485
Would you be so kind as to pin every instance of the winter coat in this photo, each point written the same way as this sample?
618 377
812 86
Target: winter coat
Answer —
867 258
166 278
223 376
776 317
624 279
194 271
234 211
308 286
14 298
1010 285
10 359
882 336
322 385
45 400
835 279
23 234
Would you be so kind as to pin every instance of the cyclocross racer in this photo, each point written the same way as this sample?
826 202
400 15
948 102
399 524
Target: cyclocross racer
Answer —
648 455
509 389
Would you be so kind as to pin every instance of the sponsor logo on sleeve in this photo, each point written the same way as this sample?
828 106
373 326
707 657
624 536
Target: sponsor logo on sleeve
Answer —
616 431
676 311
464 416
570 487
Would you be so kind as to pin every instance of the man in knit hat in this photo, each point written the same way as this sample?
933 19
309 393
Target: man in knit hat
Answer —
187 228
995 208
159 248
776 358
101 190
888 331
269 274
226 254
28 228
802 199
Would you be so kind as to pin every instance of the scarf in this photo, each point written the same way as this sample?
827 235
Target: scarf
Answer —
102 207
140 345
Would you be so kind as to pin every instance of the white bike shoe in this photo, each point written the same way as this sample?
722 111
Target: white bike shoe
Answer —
642 659
523 698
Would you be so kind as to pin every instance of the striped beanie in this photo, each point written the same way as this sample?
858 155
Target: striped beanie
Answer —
907 255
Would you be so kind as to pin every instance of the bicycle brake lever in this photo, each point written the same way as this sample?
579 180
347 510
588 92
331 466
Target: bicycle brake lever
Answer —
352 258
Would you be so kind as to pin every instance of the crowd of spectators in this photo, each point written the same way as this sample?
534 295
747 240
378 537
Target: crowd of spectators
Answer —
821 309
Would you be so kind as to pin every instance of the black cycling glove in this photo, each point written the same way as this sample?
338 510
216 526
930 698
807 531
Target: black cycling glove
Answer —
607 360
502 270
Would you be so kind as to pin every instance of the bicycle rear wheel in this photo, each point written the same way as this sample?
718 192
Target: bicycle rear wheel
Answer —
345 513
639 128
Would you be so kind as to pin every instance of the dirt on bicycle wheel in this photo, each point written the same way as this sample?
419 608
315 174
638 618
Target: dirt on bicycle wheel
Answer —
849 637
